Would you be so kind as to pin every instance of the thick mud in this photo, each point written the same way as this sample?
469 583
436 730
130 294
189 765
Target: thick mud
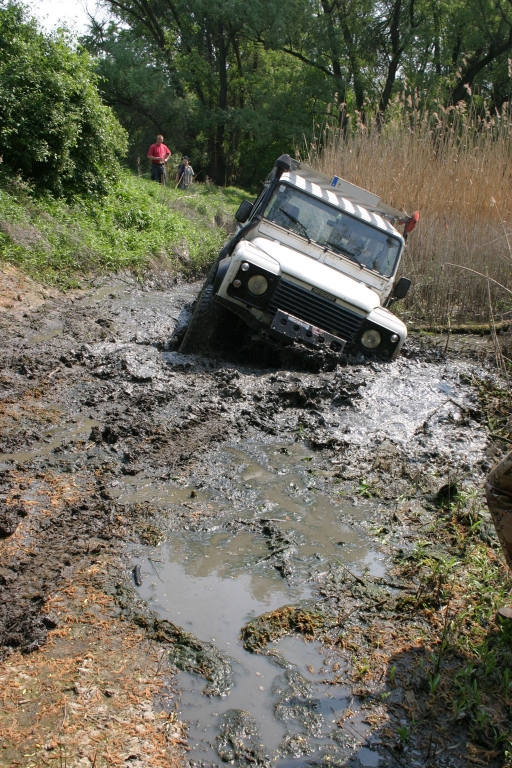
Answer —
246 517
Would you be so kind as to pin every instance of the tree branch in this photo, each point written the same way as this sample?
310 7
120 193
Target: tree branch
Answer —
311 63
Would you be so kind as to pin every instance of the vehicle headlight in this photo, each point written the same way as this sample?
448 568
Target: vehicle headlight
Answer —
371 339
257 284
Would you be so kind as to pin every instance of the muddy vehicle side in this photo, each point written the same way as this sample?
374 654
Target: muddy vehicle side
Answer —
314 261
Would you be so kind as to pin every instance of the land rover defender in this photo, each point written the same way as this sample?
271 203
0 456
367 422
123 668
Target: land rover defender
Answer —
314 261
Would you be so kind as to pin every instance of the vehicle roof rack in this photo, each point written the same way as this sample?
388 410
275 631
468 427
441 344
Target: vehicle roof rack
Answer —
351 192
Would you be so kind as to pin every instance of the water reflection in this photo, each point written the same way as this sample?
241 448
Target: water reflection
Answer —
211 581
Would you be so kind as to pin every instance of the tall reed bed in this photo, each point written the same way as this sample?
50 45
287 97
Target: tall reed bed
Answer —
455 166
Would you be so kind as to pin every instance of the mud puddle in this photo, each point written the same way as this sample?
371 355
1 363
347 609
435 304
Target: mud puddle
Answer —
265 507
70 430
212 581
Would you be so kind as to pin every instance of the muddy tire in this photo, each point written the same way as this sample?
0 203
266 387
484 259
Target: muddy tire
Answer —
205 324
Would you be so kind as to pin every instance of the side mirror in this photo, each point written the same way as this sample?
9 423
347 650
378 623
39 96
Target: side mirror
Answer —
244 211
401 288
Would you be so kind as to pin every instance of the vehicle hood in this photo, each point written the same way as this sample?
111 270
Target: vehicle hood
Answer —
306 269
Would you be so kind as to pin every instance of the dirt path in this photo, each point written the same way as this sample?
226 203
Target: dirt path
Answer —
112 444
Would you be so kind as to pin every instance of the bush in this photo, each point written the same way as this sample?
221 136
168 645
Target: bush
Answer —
55 132
139 224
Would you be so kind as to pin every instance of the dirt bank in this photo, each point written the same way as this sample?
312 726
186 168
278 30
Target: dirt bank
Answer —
112 444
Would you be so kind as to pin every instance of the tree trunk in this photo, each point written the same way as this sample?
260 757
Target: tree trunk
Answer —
396 54
355 70
479 62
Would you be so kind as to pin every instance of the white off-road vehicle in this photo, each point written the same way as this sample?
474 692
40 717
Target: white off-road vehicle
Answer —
314 261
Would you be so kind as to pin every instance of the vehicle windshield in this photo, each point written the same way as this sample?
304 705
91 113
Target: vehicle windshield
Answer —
334 229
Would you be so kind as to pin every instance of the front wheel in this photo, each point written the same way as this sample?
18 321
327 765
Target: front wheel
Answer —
204 324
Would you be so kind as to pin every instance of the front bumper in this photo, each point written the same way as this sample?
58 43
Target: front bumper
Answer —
309 314
298 330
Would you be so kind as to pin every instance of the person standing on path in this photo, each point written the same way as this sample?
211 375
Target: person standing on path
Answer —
185 173
498 492
159 154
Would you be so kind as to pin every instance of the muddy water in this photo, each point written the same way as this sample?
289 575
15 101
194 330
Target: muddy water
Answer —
211 582
249 484
70 429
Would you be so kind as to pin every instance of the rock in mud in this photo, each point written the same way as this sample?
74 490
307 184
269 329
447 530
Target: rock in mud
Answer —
295 746
9 520
137 576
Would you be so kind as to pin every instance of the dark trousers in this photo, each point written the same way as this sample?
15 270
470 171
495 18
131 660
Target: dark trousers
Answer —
158 172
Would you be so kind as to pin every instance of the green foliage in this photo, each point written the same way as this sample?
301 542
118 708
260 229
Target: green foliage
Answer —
273 103
55 132
235 84
136 82
466 665
139 223
367 489
496 404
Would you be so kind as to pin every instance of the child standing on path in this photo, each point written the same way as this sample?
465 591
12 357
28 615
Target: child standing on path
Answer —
185 173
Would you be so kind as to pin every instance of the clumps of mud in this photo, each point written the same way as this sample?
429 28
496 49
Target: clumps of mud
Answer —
296 707
269 627
395 433
282 546
32 572
12 510
147 523
192 655
239 740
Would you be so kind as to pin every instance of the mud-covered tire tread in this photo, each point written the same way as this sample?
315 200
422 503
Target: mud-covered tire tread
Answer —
204 323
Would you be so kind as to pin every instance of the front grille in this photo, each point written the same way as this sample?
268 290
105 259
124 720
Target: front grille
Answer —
315 309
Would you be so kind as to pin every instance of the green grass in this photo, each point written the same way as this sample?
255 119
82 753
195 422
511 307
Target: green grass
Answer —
138 225
470 666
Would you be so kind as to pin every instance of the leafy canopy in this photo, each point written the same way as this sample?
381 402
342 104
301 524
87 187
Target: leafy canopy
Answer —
55 131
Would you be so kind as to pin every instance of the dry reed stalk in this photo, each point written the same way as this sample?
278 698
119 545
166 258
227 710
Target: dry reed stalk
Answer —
454 166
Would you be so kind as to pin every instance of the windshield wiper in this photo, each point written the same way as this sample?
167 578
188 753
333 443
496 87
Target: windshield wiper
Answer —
345 252
296 221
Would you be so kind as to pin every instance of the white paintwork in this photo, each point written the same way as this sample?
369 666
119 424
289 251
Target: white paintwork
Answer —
275 237
385 318
287 254
299 266
350 191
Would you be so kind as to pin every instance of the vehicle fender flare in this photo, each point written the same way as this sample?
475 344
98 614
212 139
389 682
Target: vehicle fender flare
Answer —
222 268
230 246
